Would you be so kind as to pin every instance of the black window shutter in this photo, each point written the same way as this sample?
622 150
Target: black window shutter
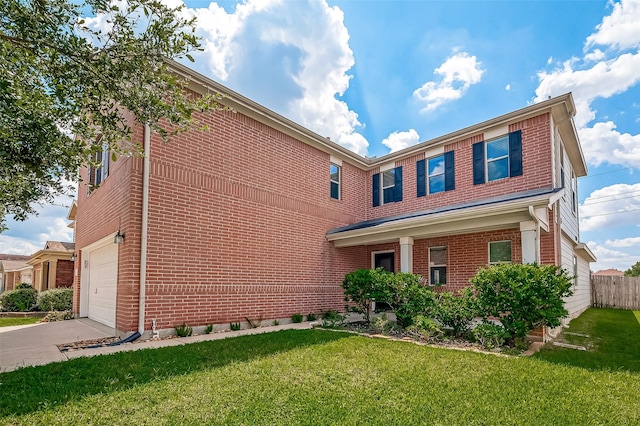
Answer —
421 177
515 153
449 172
376 190
398 184
478 163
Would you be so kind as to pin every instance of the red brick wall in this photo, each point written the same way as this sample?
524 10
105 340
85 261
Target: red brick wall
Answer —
64 273
116 204
465 254
238 217
536 160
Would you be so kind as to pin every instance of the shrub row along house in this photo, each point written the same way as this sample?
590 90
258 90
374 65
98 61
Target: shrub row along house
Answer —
261 218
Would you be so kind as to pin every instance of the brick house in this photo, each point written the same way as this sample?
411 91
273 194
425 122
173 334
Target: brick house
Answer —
52 266
13 271
261 218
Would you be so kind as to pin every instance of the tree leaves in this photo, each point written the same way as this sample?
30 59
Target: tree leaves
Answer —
68 85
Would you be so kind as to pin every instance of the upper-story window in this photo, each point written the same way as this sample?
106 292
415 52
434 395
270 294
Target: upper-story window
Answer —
99 170
574 193
388 187
335 181
497 159
437 174
499 252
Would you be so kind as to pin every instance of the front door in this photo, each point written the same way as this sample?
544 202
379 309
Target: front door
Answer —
385 261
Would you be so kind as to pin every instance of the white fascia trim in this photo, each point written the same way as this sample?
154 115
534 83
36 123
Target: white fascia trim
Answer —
407 224
103 242
586 252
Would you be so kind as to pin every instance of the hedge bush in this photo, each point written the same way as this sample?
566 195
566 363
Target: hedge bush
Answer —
22 299
456 311
410 298
523 297
363 286
57 299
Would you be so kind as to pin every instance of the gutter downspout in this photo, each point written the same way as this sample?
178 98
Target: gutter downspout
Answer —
145 227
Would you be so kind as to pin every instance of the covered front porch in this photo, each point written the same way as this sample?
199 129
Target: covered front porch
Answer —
455 240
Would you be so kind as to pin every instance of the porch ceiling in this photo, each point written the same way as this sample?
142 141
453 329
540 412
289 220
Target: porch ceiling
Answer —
482 215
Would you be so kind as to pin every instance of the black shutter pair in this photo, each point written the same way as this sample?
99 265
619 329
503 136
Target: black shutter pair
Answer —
397 188
449 174
515 158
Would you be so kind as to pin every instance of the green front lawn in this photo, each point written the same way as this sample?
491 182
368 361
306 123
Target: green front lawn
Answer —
315 377
9 321
613 341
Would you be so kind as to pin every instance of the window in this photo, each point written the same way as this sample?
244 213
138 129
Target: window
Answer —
499 251
335 181
99 171
387 189
497 159
574 193
436 174
437 265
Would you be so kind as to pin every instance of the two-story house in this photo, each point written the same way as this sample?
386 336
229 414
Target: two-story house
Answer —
261 218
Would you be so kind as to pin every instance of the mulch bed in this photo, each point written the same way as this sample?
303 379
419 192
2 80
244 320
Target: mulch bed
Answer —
84 344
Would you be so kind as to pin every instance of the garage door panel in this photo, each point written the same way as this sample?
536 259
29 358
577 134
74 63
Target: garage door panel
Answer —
103 279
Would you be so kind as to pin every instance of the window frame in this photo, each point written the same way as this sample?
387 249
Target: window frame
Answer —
439 267
487 161
97 175
338 182
510 251
574 194
390 188
429 176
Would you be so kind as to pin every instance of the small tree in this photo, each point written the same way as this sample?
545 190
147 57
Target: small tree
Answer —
634 271
363 286
524 297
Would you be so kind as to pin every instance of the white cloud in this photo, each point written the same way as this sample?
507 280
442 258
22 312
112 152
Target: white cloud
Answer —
608 258
612 206
624 242
13 245
458 73
621 29
400 140
601 75
507 87
602 142
292 57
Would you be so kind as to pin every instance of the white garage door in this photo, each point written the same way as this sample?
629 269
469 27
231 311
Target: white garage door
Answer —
103 277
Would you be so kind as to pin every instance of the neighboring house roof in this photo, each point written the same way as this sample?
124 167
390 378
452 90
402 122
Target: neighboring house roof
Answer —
610 272
59 246
13 257
507 208
14 265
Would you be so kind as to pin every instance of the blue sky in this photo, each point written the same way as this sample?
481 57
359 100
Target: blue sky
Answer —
377 76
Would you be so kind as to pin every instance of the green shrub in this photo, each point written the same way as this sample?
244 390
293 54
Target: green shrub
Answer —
22 286
234 326
456 311
410 298
363 286
276 322
312 317
57 299
489 335
523 297
183 330
297 318
22 299
208 329
424 327
332 319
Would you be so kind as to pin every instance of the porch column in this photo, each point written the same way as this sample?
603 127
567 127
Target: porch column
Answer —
406 254
529 236
53 265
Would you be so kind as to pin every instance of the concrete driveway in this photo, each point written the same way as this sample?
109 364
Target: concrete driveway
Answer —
35 344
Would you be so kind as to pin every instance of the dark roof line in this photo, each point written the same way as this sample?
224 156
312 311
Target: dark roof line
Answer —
453 207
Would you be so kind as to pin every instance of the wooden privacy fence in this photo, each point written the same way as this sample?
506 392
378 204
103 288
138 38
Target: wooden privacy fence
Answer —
615 292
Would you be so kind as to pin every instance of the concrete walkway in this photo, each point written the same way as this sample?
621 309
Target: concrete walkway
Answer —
36 344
